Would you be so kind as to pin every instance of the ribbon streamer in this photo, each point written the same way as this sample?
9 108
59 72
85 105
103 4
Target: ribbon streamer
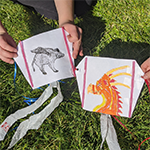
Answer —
36 120
28 99
108 133
10 120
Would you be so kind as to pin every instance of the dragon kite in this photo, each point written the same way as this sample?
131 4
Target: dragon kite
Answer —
106 87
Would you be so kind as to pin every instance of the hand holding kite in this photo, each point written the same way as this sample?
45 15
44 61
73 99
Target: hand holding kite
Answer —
146 69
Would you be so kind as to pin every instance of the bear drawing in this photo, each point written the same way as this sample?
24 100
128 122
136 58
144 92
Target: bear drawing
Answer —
46 56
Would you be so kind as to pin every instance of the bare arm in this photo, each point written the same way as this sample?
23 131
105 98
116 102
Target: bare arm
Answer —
65 9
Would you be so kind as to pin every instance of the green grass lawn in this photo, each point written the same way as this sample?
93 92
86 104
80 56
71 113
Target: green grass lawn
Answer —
113 28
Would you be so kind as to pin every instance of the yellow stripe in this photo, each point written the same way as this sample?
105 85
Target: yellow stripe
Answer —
111 99
120 74
101 105
120 84
115 69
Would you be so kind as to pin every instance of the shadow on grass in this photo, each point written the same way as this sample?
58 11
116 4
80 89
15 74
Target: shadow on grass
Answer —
93 28
39 24
126 50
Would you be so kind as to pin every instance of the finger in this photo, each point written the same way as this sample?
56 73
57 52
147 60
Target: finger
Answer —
81 51
146 76
75 34
76 48
146 65
7 60
13 43
7 54
143 67
7 47
73 37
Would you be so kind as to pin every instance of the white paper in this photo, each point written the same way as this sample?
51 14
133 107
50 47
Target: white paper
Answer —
96 68
47 58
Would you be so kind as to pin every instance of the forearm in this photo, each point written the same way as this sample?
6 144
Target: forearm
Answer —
2 29
65 10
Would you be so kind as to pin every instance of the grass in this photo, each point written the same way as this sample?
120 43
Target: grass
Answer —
113 28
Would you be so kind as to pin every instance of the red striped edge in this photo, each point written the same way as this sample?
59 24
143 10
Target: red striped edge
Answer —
67 46
84 81
132 88
26 64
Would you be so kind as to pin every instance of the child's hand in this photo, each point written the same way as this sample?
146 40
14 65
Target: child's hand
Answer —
146 69
7 48
75 37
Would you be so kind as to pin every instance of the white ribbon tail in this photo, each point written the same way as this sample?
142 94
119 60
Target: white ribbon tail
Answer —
108 132
36 120
11 119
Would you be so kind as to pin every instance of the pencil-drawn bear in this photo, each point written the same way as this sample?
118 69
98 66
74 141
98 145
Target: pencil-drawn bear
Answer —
46 56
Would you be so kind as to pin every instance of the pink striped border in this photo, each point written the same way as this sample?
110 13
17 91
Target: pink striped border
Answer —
26 64
72 66
84 81
132 88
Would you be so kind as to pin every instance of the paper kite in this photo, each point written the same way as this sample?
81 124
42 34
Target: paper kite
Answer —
109 86
45 58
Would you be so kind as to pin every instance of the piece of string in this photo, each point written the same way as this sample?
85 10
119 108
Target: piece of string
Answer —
148 85
125 127
130 132
76 69
28 99
143 142
12 129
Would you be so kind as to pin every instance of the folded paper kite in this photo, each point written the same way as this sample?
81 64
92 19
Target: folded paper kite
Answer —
109 86
45 58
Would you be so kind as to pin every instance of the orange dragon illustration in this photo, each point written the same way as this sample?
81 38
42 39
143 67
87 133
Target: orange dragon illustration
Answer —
106 87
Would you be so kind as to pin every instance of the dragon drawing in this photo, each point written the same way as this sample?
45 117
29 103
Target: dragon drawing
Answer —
106 87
